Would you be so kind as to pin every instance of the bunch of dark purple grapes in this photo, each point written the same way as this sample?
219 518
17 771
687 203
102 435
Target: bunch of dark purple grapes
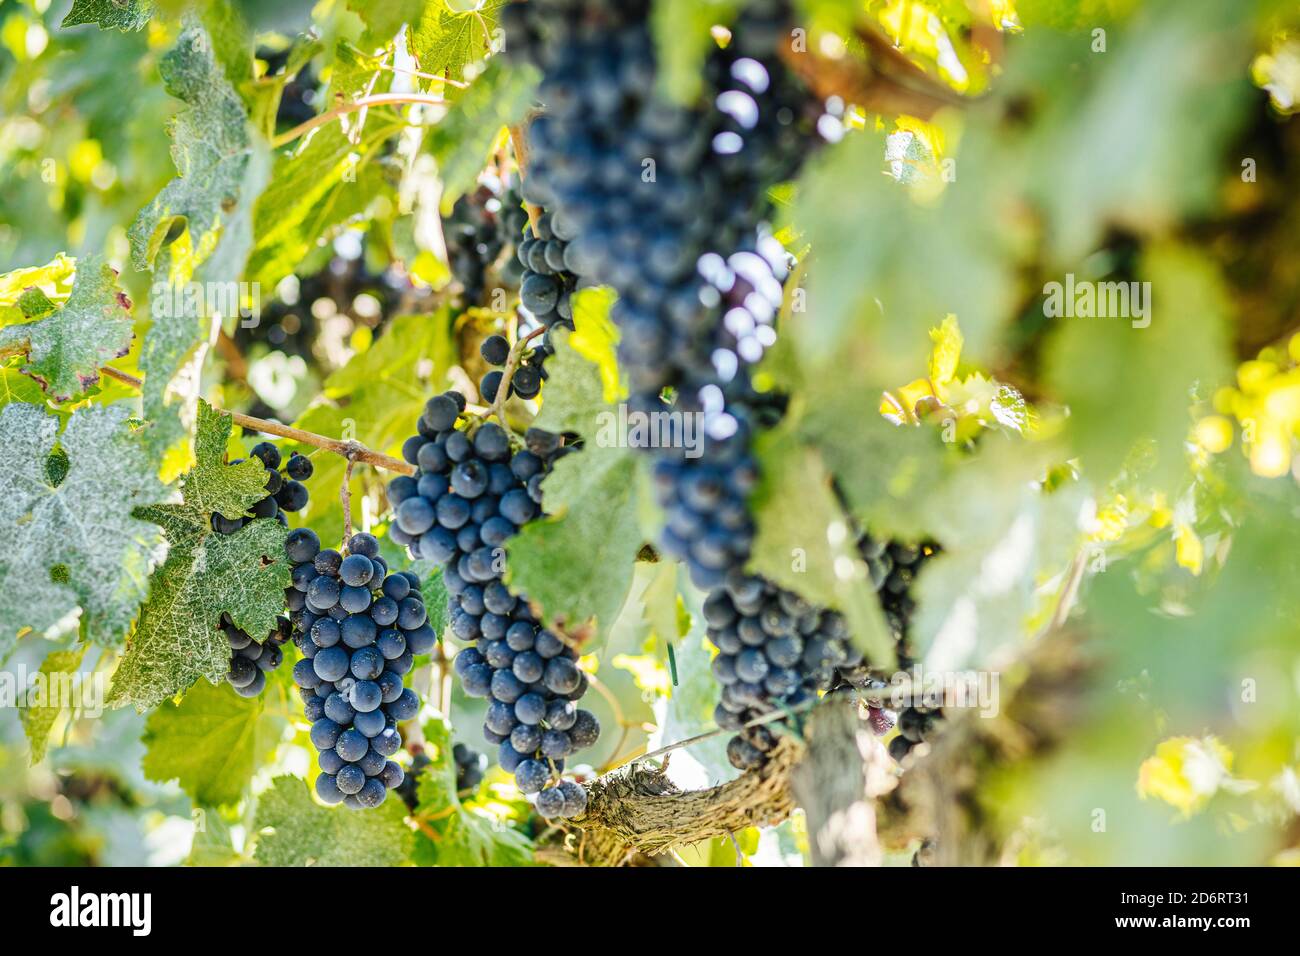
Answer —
474 242
894 566
472 493
358 628
776 652
667 204
545 292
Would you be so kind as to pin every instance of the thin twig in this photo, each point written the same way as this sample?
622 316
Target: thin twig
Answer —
375 99
512 362
345 496
358 452
426 76
519 139
690 741
1069 591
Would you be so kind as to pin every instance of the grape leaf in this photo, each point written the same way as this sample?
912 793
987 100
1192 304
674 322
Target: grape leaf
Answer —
1134 136
445 41
75 543
177 639
330 181
977 597
264 96
465 136
295 831
383 20
467 834
1092 360
39 720
222 165
66 349
200 224
578 563
355 73
53 280
812 549
213 843
576 402
213 741
16 387
874 302
683 41
124 15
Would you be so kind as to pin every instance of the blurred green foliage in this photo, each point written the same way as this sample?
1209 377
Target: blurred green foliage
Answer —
1131 478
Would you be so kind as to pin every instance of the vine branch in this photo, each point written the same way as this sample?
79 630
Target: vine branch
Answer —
348 449
498 405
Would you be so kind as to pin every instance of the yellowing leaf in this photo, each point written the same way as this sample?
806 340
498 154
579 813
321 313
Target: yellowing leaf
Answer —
946 353
596 337
1185 772
647 670
1188 549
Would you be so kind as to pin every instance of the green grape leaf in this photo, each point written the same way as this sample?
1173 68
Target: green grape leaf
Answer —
293 830
873 303
468 835
76 543
66 349
222 165
578 563
465 136
263 97
812 549
213 843
1132 137
1091 361
200 225
124 15
383 20
377 398
54 280
976 598
446 41
233 48
355 73
38 720
885 473
683 41
664 613
576 402
177 639
332 180
16 387
172 352
213 741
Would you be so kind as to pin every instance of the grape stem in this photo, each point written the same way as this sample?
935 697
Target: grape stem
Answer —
345 493
690 741
519 139
353 451
512 362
